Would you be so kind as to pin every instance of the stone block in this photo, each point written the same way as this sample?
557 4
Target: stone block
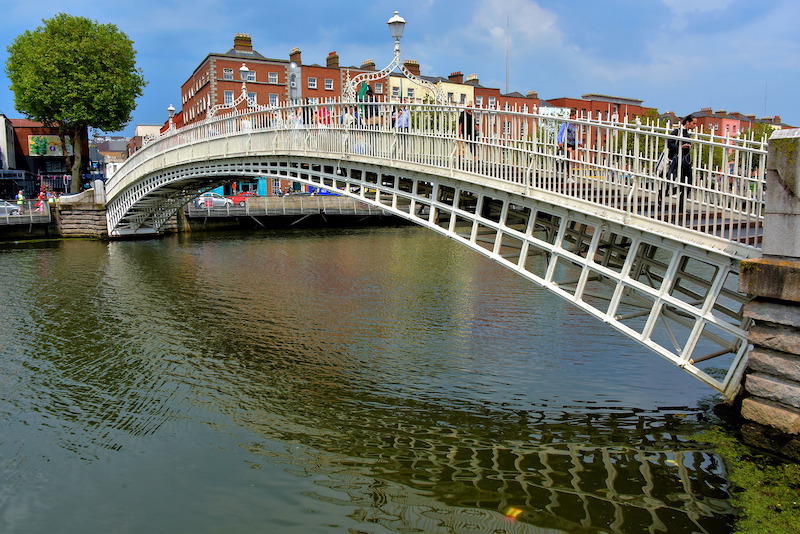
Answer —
779 338
771 414
761 310
774 363
786 392
771 278
771 440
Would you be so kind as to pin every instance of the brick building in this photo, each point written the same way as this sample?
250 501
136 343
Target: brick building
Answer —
604 107
732 124
218 79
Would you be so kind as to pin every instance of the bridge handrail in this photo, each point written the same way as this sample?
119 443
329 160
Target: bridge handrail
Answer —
615 162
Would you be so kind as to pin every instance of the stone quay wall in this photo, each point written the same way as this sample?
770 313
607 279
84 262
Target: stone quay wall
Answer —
771 393
81 219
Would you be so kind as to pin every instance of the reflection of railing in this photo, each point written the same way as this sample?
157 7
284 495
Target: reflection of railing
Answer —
24 212
614 164
602 473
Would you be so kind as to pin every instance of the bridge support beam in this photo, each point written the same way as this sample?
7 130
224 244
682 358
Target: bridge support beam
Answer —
771 403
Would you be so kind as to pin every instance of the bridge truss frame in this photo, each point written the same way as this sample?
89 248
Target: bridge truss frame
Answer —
678 300
672 289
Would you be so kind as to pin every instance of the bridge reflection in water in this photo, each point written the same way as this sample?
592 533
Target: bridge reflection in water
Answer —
554 473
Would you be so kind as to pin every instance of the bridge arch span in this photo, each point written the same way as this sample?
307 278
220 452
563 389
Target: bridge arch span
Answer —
678 300
598 243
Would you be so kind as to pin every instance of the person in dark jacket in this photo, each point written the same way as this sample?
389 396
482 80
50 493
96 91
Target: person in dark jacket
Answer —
680 159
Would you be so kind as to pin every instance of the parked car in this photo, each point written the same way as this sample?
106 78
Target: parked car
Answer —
7 208
212 200
242 197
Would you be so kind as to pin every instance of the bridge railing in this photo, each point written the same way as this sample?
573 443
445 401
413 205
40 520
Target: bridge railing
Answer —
615 163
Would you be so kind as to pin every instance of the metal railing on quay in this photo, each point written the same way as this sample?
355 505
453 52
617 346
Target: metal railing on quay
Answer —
286 205
615 163
25 211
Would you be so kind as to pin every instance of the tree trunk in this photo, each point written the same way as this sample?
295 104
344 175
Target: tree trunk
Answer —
77 156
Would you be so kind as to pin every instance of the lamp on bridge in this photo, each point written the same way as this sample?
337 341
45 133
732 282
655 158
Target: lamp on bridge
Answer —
244 72
397 25
171 113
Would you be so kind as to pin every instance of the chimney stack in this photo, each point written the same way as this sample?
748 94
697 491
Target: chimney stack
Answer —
412 66
472 78
294 56
332 61
242 41
533 94
369 64
456 77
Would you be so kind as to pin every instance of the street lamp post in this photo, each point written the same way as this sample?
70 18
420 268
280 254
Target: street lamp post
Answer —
171 113
397 25
244 72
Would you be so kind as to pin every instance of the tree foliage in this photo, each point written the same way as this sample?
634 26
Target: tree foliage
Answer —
73 73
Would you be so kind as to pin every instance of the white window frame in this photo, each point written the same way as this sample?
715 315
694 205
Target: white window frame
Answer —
479 101
378 88
329 84
410 93
492 101
272 77
227 97
252 100
273 99
227 74
251 75
395 92
312 83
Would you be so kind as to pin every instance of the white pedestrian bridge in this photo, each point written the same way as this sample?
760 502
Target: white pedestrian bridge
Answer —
603 227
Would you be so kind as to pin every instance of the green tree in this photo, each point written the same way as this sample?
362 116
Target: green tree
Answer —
72 74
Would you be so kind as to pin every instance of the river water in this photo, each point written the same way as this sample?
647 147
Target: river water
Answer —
361 380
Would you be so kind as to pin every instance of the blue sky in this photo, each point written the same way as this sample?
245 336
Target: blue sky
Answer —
678 55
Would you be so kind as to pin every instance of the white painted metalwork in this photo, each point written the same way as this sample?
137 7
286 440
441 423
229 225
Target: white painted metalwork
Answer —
599 230
396 26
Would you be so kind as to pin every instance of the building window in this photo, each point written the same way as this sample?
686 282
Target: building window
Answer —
251 75
276 185
272 77
312 83
492 101
227 74
228 97
273 99
251 99
328 84
411 94
313 100
450 97
479 101
396 92
463 98
379 88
